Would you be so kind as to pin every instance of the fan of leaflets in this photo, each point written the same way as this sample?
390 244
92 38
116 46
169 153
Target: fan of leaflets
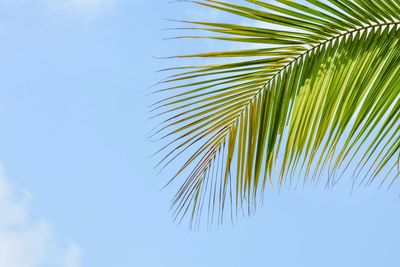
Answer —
319 100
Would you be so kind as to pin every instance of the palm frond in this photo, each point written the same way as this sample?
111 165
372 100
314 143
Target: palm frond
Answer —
321 98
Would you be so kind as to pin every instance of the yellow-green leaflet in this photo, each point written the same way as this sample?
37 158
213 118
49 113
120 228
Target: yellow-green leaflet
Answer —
317 100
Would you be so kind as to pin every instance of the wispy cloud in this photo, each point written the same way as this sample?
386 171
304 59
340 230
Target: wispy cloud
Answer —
25 242
83 8
73 256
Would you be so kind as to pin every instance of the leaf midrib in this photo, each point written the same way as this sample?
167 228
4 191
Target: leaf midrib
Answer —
301 56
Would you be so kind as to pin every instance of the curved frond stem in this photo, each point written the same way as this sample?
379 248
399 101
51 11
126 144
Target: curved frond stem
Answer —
322 94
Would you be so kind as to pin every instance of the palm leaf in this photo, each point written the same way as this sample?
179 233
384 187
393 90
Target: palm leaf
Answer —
320 98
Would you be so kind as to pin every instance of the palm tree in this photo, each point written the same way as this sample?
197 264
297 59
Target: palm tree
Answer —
313 96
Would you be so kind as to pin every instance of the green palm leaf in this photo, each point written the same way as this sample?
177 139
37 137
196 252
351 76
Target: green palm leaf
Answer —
320 98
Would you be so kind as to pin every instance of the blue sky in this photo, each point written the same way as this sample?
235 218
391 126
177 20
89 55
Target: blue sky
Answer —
77 188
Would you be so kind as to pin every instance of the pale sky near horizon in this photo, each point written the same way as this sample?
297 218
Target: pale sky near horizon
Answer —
77 188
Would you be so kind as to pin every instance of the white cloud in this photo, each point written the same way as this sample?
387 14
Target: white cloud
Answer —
73 257
85 8
25 242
